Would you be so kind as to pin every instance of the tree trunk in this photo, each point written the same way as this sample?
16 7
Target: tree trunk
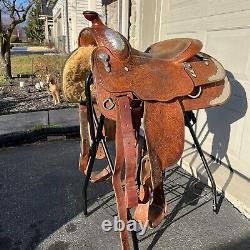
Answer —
8 62
5 59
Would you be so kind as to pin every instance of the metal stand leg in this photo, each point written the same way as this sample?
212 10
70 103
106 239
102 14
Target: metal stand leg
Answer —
104 144
204 161
92 155
95 139
91 161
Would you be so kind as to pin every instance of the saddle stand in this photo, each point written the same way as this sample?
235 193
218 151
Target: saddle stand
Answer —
96 134
154 92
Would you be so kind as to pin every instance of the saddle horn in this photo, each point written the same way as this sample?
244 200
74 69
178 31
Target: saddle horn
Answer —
93 17
104 36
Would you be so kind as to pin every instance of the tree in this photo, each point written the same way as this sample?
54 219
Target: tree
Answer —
35 27
17 13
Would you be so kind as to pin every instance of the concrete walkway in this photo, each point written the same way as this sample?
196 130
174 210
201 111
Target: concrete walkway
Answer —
21 122
41 207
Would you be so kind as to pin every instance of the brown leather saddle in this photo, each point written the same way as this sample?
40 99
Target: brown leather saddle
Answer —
155 87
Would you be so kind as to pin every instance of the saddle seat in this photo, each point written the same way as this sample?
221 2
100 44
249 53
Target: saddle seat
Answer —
174 50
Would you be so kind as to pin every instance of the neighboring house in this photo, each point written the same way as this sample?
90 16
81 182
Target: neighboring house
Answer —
46 15
68 21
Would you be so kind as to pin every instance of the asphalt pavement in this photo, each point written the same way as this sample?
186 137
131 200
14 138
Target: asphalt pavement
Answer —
41 207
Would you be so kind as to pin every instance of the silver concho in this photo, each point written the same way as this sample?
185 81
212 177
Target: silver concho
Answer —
115 39
104 57
188 67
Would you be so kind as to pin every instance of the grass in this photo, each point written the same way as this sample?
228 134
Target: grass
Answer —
22 64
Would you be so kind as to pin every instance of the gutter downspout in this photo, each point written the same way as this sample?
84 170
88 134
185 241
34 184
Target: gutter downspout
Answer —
119 16
67 26
123 17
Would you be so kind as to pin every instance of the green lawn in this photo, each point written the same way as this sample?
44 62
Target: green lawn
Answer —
22 64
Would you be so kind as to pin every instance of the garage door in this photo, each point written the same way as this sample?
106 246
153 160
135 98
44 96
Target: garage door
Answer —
224 28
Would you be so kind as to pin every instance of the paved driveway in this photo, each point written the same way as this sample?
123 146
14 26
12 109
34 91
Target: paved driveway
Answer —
41 207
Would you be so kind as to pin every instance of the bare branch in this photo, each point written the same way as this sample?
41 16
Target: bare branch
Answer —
17 14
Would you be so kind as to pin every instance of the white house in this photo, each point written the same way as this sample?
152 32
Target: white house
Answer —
68 20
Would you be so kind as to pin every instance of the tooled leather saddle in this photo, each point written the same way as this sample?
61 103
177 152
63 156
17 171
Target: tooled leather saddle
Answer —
154 87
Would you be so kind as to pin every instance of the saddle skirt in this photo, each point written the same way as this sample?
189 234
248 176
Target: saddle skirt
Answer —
171 77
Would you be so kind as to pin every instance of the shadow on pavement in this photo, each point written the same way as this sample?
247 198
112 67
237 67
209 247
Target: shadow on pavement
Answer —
41 206
40 192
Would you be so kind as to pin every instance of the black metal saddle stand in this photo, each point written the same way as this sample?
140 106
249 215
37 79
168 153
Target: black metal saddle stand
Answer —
97 137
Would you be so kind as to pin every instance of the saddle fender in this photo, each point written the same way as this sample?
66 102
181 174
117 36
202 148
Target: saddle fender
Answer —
164 149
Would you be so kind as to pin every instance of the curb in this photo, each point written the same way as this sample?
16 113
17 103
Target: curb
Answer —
38 110
19 138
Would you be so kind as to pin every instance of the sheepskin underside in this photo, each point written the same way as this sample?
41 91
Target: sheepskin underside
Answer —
74 73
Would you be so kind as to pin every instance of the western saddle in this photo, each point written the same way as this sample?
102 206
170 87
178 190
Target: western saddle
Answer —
155 87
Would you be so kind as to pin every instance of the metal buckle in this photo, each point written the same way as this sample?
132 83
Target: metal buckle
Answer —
196 94
105 103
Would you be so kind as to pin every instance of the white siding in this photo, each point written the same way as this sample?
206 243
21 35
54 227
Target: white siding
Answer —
224 28
81 21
